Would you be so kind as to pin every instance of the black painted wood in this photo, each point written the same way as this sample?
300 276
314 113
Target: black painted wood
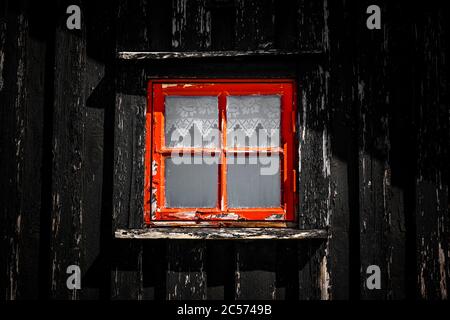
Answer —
373 131
186 276
3 233
14 127
343 261
432 174
68 156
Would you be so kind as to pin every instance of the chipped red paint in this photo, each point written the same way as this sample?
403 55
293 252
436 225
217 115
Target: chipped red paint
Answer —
156 150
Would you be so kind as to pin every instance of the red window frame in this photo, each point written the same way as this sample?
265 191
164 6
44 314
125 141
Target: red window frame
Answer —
156 151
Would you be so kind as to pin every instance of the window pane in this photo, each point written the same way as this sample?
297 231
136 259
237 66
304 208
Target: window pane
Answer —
253 121
191 122
191 181
253 181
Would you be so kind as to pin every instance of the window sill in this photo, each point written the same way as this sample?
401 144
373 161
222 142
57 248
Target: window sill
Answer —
221 234
149 55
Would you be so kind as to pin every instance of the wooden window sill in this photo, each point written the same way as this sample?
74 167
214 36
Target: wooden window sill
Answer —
221 234
150 55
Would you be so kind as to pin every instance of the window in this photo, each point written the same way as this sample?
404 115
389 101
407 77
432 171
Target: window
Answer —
220 151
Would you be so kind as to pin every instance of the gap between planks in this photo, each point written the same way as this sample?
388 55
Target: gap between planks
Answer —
221 234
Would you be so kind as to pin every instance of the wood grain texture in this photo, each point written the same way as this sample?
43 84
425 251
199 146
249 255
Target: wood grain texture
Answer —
143 55
221 234
191 25
374 166
68 140
186 276
373 132
3 234
254 27
314 150
431 185
13 133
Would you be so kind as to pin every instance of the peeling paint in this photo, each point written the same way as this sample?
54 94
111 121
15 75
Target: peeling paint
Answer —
442 273
275 217
324 279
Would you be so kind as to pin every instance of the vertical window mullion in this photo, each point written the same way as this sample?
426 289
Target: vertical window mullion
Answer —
223 162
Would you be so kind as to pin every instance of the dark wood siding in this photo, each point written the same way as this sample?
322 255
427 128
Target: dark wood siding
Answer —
373 135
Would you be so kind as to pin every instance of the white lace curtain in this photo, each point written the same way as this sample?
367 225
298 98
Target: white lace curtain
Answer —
252 119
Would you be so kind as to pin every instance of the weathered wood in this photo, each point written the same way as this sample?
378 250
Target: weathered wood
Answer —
126 271
132 25
432 175
343 253
313 273
186 274
191 25
223 20
34 104
154 268
221 233
220 271
254 27
255 273
13 53
129 55
312 25
287 269
160 20
381 239
129 139
129 161
3 234
286 26
128 167
373 156
68 156
314 152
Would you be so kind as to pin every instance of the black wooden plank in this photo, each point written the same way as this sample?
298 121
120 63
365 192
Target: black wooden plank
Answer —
160 25
254 28
255 273
92 176
287 272
223 19
314 149
99 19
343 160
13 138
154 270
312 25
191 25
129 140
286 26
132 25
431 185
220 270
186 277
36 48
3 235
313 272
129 160
68 155
126 271
382 212
374 168
343 248
401 150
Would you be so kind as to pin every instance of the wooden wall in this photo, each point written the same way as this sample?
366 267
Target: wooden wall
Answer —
374 134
